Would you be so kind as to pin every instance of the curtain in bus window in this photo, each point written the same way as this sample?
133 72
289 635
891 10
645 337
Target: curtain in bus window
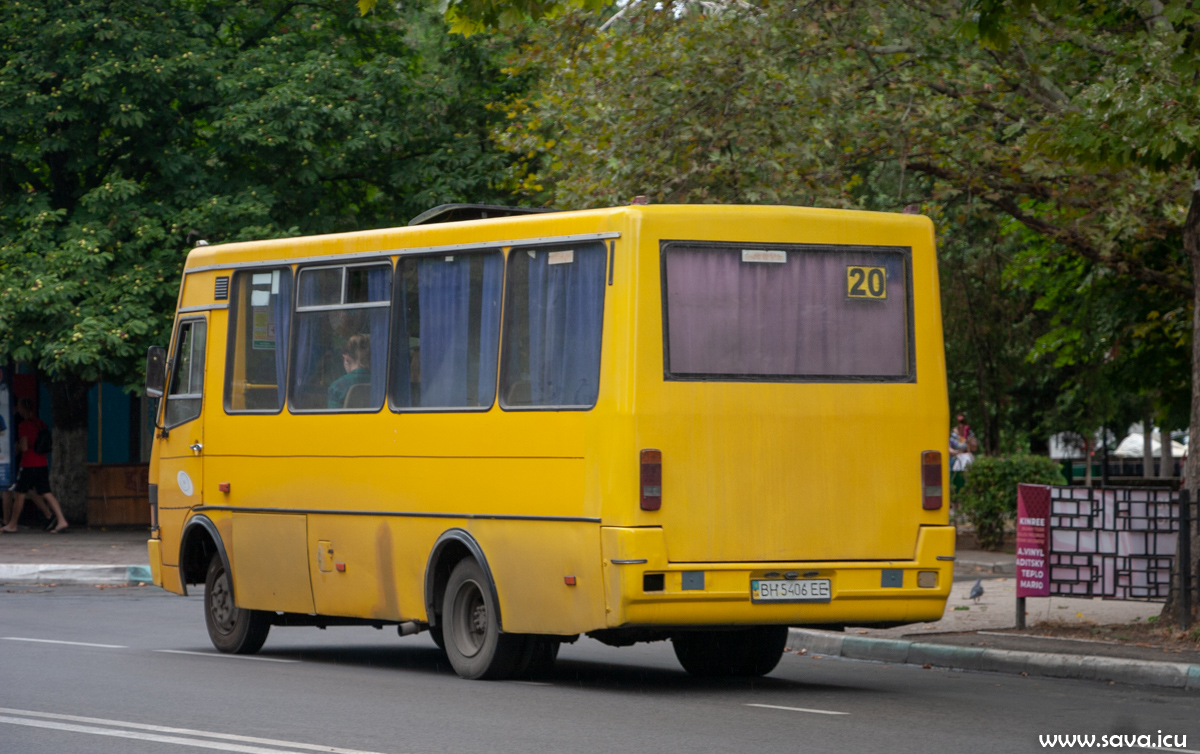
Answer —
489 327
281 310
787 313
379 288
312 360
451 316
444 292
554 326
401 393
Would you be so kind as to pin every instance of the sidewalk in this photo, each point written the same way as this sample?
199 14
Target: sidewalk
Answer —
997 607
77 556
77 545
929 654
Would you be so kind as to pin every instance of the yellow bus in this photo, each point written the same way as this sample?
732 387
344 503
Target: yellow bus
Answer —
700 424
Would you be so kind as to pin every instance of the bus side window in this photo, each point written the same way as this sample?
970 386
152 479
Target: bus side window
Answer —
260 313
186 391
447 325
554 312
339 351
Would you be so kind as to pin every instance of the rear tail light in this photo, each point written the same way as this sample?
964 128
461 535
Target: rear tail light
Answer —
931 480
651 480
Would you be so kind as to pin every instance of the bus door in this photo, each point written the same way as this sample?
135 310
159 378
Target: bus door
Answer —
181 437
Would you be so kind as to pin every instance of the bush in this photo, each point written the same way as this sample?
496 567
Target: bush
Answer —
989 497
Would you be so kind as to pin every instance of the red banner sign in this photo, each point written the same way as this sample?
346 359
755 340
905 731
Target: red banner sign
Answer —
1033 540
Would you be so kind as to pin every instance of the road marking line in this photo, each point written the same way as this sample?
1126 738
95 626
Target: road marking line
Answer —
183 731
799 709
223 656
142 736
72 643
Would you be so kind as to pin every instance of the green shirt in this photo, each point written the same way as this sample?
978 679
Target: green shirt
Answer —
341 386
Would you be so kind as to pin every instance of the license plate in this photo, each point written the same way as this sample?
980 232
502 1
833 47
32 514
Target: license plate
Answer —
790 590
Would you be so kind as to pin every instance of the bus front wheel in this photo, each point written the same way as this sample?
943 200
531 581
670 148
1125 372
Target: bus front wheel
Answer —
476 647
745 652
232 629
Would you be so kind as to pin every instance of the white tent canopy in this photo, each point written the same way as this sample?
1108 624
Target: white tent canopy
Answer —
1132 446
1068 445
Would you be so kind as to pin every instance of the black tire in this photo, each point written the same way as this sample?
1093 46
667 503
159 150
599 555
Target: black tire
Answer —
232 629
740 653
475 645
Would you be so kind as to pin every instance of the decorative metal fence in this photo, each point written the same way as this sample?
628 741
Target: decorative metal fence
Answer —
1115 542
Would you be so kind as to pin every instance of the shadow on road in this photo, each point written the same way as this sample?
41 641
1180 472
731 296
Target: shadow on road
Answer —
613 676
577 673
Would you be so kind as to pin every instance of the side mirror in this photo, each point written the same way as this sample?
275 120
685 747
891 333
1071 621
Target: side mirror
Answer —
156 371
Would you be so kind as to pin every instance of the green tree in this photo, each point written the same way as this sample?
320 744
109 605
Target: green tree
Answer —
129 129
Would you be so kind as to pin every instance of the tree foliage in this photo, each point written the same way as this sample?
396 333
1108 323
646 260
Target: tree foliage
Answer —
130 130
989 499
127 130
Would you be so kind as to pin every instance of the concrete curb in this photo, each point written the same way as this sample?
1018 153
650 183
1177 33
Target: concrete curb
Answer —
1051 665
43 574
999 567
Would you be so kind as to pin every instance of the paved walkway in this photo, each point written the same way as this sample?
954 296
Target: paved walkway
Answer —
76 546
998 606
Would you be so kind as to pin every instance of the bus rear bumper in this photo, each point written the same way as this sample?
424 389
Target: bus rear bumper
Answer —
699 594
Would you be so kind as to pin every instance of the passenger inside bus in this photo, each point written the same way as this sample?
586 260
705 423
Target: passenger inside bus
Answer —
340 349
345 392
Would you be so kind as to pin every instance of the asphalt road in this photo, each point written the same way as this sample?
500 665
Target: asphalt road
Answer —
134 672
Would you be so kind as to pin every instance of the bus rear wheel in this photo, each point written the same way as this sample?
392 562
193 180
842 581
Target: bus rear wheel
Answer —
476 647
743 653
232 629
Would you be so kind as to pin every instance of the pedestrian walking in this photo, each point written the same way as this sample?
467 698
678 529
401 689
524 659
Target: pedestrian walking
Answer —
9 496
963 445
35 468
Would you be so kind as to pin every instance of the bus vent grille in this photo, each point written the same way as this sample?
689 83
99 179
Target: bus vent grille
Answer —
222 291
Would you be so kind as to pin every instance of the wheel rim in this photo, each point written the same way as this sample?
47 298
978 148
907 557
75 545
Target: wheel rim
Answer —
470 619
220 605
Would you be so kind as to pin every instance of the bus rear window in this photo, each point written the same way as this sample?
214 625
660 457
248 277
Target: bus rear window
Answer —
786 313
